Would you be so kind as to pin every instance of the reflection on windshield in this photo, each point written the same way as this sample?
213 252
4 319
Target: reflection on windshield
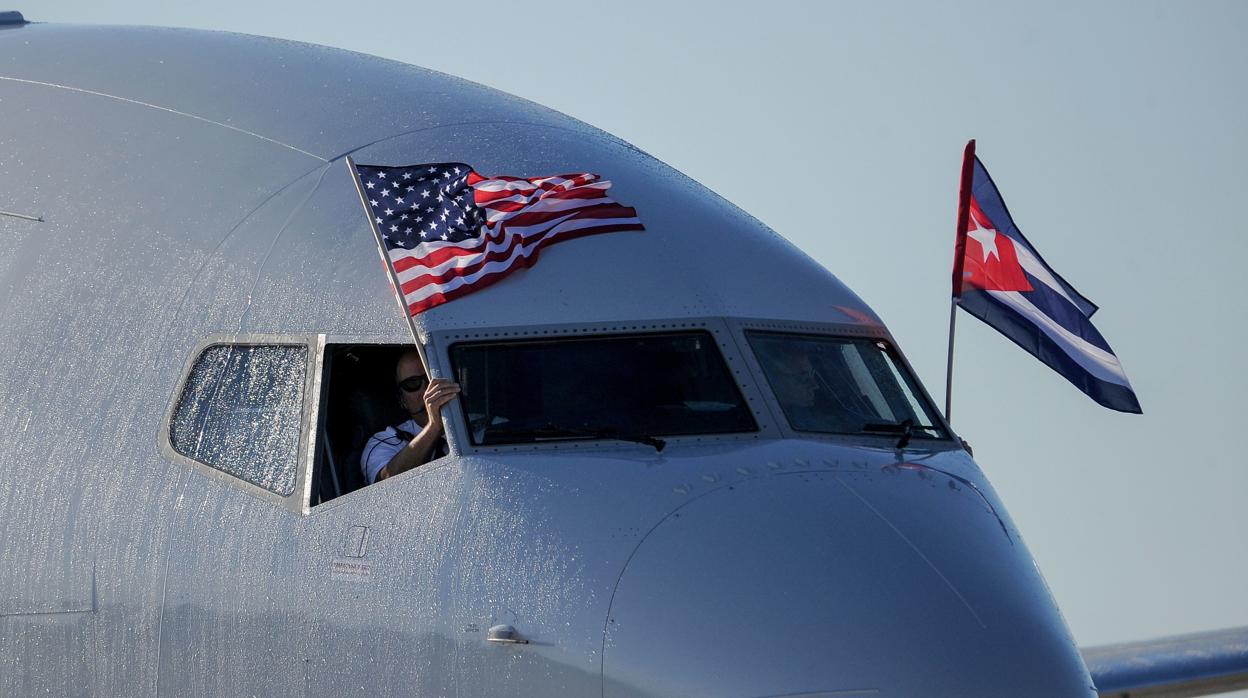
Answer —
628 388
841 385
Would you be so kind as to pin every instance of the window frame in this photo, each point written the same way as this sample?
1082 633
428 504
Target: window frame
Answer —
297 500
839 331
320 413
727 333
717 328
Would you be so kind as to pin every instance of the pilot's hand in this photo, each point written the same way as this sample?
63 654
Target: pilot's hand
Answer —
439 392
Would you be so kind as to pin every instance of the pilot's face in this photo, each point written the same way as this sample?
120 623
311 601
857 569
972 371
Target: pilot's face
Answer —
795 381
410 379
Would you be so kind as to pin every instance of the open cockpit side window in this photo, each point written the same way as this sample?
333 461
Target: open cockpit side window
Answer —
358 399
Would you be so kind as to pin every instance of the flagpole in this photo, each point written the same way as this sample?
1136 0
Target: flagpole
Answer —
398 289
959 257
953 316
385 261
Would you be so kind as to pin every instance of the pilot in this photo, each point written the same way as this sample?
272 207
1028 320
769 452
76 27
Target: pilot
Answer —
795 380
804 395
419 440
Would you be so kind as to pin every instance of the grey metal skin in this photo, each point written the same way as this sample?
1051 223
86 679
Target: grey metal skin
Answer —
192 189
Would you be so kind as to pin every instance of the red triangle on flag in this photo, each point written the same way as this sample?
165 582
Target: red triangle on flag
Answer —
991 261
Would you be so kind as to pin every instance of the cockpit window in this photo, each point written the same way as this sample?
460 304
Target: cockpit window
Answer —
627 387
841 385
241 410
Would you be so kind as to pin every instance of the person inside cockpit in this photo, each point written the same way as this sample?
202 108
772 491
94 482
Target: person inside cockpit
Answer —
806 397
420 439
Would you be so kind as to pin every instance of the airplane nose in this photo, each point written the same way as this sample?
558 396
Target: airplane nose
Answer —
837 584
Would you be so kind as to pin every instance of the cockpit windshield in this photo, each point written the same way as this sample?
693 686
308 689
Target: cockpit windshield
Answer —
843 385
630 387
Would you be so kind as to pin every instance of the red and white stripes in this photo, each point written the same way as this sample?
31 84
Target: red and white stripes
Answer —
522 216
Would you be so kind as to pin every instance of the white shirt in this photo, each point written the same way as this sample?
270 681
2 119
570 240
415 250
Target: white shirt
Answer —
383 446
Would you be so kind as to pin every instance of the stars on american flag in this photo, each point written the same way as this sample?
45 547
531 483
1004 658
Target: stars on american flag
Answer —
457 219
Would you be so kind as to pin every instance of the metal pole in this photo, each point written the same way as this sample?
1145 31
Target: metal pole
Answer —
959 256
385 261
398 292
953 316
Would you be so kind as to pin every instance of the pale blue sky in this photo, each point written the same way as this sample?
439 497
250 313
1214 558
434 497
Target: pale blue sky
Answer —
1114 130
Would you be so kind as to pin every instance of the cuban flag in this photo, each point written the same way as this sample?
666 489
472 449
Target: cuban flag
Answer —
1001 279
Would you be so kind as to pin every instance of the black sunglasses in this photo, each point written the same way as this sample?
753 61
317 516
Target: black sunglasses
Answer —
413 384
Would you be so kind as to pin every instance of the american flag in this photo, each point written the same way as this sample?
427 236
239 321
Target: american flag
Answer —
449 231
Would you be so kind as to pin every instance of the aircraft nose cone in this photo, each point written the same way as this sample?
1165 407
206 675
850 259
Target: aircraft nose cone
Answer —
837 584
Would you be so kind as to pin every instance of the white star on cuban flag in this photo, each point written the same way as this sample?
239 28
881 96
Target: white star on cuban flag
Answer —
996 266
987 239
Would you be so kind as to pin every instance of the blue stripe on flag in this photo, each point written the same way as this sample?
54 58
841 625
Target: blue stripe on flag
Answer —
1063 312
1007 321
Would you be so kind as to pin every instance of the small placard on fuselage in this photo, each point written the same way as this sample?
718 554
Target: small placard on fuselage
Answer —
350 570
